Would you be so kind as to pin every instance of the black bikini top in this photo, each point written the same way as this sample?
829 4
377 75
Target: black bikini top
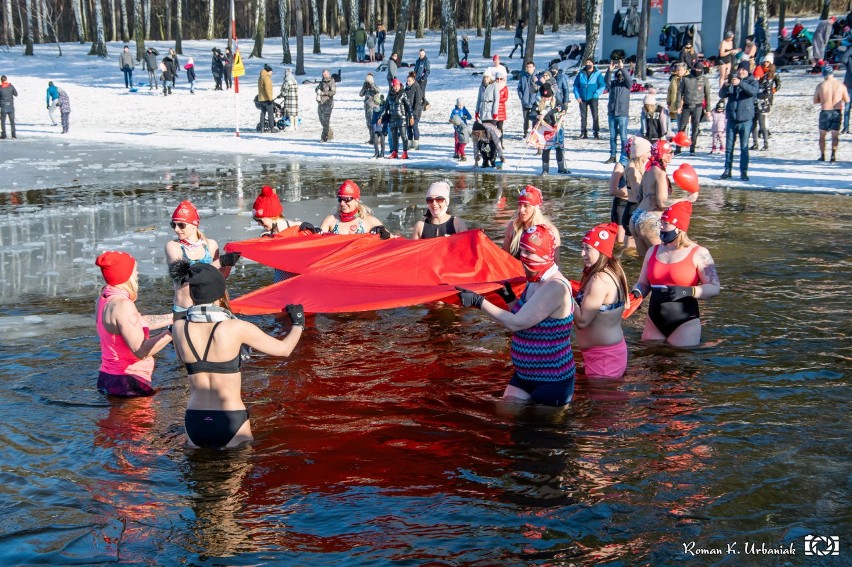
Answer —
434 230
201 364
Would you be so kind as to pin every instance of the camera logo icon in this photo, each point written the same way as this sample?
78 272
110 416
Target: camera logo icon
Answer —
822 545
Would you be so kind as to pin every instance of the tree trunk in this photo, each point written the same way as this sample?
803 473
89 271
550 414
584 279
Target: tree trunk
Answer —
353 25
179 27
300 40
113 17
39 23
782 14
167 33
593 27
478 17
826 10
371 15
324 18
449 24
540 18
642 40
99 45
731 17
260 31
138 36
28 30
341 23
532 28
147 6
211 14
315 26
385 13
10 25
555 27
401 23
489 17
761 10
421 19
284 20
125 28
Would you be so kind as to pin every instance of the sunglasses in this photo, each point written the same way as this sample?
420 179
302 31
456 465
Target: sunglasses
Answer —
345 199
430 200
180 225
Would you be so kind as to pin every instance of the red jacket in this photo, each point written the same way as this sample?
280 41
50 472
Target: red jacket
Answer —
504 96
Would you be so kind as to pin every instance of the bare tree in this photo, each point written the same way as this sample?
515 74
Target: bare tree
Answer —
642 40
28 30
555 26
300 40
761 14
315 25
112 18
540 27
53 15
826 10
179 27
10 25
529 52
421 18
99 45
401 23
125 31
341 23
78 20
211 12
489 17
782 14
448 18
138 35
284 19
260 31
353 25
147 18
593 27
731 17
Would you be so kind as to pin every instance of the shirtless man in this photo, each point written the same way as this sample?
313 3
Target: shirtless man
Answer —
831 95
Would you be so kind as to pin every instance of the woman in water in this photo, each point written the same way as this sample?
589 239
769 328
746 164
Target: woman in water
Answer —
676 273
527 216
192 246
127 350
437 219
618 188
540 320
600 303
208 342
640 152
352 217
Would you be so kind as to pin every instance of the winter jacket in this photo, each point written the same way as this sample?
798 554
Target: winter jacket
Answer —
461 128
150 59
414 94
589 85
7 94
368 91
52 94
563 89
290 92
64 103
527 89
264 86
488 102
503 96
360 37
326 91
655 125
216 65
740 107
397 109
126 60
421 69
718 122
768 84
377 115
693 91
190 72
371 41
462 113
619 93
688 57
171 69
671 95
822 33
174 58
392 67
465 46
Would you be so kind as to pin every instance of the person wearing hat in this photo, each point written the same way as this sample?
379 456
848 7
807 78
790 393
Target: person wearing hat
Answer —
268 212
540 321
415 97
359 36
619 82
380 131
192 246
639 154
397 114
465 48
290 93
217 68
264 100
459 117
527 215
562 87
169 69
589 85
820 38
486 145
599 305
326 89
190 74
368 91
228 68
693 102
547 111
678 72
393 65
831 95
718 127
675 273
739 111
437 220
352 216
487 101
727 52
127 350
528 86
208 342
502 98
769 83
688 55
519 39
654 119
150 62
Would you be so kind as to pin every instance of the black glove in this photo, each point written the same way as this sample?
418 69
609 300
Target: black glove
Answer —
309 226
677 292
507 293
229 259
381 231
469 298
297 315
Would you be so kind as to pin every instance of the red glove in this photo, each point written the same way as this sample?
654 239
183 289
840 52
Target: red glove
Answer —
476 116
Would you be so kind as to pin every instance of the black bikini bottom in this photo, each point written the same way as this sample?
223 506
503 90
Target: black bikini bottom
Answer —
213 429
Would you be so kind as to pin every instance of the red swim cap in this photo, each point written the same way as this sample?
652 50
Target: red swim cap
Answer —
678 215
540 241
116 267
267 204
349 189
186 212
530 195
660 148
602 238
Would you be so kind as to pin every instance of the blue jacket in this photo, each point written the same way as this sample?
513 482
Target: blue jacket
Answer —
562 86
421 69
52 93
462 113
619 93
588 86
740 107
527 89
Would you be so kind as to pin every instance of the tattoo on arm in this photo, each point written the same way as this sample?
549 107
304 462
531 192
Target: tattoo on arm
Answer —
709 268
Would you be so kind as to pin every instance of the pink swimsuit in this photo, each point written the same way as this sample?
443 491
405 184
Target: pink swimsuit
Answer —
121 373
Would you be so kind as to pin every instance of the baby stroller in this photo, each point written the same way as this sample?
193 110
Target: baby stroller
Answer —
792 52
277 113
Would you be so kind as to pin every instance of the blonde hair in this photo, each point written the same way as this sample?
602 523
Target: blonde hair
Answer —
682 240
518 226
131 286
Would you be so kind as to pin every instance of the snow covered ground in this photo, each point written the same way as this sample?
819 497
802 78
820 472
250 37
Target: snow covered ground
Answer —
104 112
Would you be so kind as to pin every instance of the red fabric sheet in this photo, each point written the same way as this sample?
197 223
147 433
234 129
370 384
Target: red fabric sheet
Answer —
346 273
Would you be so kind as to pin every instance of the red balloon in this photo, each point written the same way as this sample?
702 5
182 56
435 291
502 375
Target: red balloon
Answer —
686 178
681 139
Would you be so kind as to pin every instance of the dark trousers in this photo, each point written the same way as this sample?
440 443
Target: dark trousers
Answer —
422 83
743 131
591 104
11 115
128 77
324 111
267 119
227 77
691 115
758 128
397 133
560 155
414 130
152 80
527 121
218 80
517 45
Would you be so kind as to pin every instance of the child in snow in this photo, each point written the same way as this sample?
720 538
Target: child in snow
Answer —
64 105
718 127
654 119
486 145
458 118
380 131
190 75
